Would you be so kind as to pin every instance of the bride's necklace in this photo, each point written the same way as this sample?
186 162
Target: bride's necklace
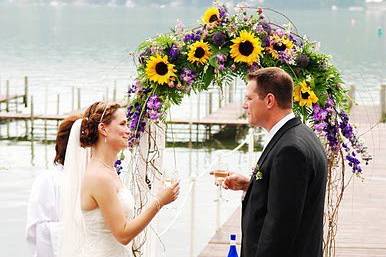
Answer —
105 164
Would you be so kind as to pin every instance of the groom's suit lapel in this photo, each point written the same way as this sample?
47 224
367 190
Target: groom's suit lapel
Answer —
289 124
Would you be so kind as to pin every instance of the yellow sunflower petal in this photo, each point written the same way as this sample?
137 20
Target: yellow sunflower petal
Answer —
246 48
159 70
297 91
211 15
199 52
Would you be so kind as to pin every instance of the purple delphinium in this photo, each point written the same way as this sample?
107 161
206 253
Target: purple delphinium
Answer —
188 76
223 12
154 107
333 125
173 53
324 124
118 166
193 36
136 121
154 103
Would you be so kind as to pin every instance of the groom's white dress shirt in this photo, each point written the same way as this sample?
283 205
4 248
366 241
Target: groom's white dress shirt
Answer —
277 127
43 213
272 133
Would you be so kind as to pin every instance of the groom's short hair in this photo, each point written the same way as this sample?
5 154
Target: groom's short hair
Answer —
275 81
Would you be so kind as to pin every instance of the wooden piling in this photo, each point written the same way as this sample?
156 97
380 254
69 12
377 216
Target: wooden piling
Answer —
73 99
210 110
7 94
383 102
115 91
57 108
79 99
26 92
32 131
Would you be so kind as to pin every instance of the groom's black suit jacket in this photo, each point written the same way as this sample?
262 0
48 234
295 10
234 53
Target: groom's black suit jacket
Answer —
282 213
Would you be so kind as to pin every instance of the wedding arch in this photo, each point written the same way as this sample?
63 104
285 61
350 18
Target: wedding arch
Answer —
226 46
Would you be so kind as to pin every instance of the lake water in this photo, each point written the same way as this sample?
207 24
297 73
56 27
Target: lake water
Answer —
59 47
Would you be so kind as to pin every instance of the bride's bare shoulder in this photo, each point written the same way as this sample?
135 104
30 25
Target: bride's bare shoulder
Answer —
97 178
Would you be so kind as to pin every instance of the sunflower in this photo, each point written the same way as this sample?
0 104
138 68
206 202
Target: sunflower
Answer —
281 47
304 94
211 15
246 48
199 52
158 69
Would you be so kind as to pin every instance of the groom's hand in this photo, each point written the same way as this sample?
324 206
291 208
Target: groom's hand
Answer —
236 182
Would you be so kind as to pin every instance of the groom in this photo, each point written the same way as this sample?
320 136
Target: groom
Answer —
282 209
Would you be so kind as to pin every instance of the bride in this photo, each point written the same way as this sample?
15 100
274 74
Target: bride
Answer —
98 218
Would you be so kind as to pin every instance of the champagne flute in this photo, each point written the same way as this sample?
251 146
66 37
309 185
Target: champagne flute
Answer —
169 177
219 176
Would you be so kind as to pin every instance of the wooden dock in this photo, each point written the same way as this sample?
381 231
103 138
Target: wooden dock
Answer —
362 215
228 115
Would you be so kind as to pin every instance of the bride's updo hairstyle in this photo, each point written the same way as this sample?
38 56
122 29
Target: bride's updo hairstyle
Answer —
99 112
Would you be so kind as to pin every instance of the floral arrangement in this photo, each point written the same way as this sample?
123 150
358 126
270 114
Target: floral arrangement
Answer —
225 46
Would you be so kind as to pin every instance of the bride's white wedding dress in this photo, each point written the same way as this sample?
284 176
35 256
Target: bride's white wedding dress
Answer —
99 240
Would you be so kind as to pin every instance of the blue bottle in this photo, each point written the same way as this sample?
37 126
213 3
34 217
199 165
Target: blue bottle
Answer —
232 246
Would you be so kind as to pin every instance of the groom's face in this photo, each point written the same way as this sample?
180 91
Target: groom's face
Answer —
254 106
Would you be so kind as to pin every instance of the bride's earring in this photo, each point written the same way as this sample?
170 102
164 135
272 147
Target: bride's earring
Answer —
106 139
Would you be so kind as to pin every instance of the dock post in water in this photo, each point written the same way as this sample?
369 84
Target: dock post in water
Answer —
57 109
26 91
115 91
210 111
73 99
7 94
32 131
79 98
383 103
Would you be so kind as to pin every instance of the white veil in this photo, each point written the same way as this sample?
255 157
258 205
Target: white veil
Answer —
73 227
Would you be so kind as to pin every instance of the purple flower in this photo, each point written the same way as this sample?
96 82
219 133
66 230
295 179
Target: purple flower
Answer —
136 122
264 27
221 67
154 103
173 53
303 61
296 40
218 38
136 87
319 114
193 36
118 166
221 58
143 56
320 127
154 114
188 76
223 12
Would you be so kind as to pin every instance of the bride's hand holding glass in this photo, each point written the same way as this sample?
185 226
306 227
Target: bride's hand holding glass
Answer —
169 194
